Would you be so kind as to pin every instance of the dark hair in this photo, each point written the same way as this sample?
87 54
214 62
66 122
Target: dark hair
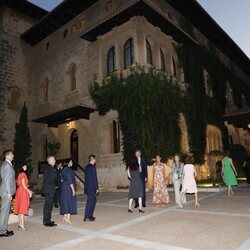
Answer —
7 152
138 150
170 158
226 153
134 165
20 169
68 161
189 160
91 156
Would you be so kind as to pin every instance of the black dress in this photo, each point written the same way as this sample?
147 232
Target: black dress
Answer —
135 188
67 200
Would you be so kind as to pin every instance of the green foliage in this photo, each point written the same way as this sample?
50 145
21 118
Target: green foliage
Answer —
148 105
53 148
22 141
202 109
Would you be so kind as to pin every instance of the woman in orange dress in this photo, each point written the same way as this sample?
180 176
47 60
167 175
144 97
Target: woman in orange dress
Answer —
22 197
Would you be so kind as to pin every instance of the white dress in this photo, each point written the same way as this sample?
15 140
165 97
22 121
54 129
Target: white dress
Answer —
189 183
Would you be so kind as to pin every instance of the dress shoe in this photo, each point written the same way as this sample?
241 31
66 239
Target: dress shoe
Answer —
144 205
141 211
136 206
56 206
7 234
130 211
89 219
92 218
50 224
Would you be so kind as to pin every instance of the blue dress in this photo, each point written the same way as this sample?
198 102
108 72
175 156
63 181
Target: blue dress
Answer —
67 200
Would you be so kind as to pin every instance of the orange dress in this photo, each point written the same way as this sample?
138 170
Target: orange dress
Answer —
22 199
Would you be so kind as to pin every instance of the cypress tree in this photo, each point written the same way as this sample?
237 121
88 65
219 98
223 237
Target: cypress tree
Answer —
22 141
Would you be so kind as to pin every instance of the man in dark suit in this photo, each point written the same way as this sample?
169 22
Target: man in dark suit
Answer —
59 181
48 189
143 168
7 190
90 188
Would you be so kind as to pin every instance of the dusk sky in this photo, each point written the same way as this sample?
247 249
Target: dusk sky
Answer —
233 16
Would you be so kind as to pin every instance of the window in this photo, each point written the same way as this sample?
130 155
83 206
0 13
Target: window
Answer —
82 23
14 98
72 76
109 5
208 87
229 97
163 67
116 138
111 61
47 45
174 71
65 33
149 53
128 53
45 89
73 28
214 138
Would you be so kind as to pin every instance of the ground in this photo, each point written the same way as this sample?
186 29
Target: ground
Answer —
220 223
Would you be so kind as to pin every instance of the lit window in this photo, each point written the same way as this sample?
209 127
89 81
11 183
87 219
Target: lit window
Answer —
14 98
109 5
73 29
111 61
149 53
128 53
207 84
82 23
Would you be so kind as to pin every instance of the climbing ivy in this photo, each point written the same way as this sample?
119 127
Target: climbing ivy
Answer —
148 105
202 109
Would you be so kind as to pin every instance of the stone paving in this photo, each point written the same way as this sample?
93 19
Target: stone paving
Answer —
220 223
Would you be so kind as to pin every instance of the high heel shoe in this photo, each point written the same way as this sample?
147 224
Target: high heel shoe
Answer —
141 211
22 228
130 211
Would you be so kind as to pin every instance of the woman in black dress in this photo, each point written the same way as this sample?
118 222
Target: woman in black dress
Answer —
68 195
135 188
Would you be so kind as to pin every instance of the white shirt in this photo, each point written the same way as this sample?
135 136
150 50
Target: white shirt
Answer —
139 162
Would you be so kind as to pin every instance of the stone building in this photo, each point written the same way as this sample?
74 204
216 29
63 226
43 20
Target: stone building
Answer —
48 60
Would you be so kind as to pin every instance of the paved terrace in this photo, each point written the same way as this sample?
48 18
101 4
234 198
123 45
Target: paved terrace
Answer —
220 223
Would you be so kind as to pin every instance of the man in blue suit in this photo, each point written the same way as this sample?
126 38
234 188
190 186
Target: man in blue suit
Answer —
90 188
143 168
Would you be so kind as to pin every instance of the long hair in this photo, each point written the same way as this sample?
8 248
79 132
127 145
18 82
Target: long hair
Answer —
134 165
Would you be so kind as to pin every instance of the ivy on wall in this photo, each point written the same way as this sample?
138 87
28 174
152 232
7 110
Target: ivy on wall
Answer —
202 109
148 105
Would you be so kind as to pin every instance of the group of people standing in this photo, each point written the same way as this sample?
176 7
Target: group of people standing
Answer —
59 187
59 190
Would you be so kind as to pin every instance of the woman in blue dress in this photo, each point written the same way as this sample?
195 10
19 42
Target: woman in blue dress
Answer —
68 195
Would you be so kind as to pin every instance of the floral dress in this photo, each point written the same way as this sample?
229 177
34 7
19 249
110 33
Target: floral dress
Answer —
160 189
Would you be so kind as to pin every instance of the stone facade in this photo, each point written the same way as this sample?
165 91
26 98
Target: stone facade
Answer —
28 69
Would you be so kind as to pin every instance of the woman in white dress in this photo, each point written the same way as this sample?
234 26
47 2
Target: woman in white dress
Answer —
188 181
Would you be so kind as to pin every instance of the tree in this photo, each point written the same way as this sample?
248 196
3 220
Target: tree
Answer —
22 141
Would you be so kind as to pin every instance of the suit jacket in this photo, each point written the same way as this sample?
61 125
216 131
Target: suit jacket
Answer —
8 181
91 182
144 168
49 180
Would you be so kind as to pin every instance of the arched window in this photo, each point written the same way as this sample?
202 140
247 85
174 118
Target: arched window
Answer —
14 98
128 53
45 89
163 66
174 70
72 75
111 61
149 53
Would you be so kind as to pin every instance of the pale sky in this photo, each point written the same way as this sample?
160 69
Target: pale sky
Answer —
232 15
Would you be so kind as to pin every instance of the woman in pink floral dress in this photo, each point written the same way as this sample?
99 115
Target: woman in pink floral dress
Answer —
161 196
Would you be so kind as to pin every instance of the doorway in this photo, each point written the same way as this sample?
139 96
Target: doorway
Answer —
74 145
